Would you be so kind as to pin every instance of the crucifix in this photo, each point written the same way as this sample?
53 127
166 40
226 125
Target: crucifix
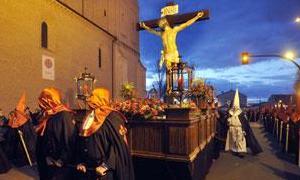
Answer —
167 28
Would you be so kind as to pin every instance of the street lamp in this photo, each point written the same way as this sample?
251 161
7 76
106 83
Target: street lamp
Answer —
297 20
289 55
245 57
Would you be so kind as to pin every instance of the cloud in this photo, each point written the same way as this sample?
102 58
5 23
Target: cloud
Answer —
265 73
258 80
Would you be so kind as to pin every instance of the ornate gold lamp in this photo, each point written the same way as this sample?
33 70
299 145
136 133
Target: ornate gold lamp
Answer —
181 79
84 85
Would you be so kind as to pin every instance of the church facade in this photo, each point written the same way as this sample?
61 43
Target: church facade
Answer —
49 42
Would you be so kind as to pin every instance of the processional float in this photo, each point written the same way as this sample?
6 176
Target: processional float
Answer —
178 74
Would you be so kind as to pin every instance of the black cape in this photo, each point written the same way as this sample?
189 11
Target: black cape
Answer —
4 164
221 133
58 143
107 146
251 141
222 126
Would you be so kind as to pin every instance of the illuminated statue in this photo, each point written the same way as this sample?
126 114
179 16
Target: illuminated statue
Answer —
168 35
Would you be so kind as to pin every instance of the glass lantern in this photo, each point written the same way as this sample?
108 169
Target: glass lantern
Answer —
181 77
181 80
85 85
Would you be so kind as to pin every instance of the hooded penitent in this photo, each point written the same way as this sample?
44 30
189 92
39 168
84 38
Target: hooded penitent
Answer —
235 109
99 103
50 103
20 136
251 141
56 140
18 117
102 140
235 136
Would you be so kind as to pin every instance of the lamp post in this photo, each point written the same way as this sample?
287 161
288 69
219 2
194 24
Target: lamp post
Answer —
289 55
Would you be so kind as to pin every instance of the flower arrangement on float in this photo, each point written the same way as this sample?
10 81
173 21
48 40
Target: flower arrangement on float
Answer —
202 94
128 91
136 108
140 109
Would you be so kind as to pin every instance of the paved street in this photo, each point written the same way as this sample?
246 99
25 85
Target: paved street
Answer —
271 164
24 173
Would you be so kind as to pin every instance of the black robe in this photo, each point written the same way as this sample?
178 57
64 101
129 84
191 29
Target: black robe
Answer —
14 147
107 146
221 132
251 141
222 126
58 142
4 163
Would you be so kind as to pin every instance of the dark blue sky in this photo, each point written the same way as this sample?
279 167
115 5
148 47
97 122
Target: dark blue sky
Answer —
213 46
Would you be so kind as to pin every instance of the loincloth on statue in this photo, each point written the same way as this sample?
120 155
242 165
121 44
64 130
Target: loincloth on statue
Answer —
170 58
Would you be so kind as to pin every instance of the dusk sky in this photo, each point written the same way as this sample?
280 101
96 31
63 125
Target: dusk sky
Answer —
214 46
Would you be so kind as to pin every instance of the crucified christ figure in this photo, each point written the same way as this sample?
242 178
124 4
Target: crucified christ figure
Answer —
168 35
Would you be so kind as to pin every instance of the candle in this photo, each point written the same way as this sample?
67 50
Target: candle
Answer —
180 83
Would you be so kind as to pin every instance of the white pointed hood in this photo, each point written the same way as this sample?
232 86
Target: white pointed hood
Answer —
236 109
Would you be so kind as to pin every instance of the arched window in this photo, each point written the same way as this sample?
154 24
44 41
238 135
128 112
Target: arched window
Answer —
99 58
44 35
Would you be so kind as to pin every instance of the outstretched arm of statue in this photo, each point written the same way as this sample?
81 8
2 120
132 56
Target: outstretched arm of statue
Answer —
143 25
189 22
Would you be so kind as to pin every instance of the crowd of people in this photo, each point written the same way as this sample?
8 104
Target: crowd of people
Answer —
233 132
283 122
66 144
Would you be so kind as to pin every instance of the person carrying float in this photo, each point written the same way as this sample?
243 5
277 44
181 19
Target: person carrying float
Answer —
56 137
102 151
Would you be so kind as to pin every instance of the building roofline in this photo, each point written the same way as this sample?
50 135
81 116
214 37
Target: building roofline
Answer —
102 29
86 19
227 92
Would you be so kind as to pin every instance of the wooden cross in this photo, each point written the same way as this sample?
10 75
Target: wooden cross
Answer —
175 19
167 28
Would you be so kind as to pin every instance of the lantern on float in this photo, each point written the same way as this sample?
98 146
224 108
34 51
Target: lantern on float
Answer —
181 80
84 85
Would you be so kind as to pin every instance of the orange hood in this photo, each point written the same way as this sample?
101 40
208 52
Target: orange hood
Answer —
50 103
99 104
18 117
